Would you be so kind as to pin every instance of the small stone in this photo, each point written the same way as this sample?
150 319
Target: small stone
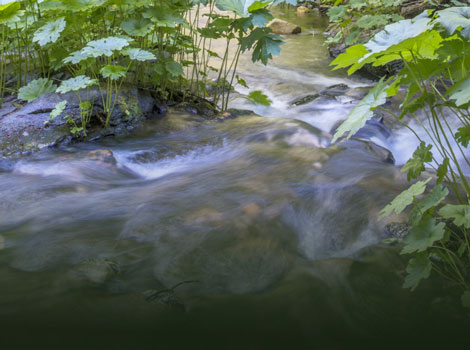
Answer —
102 156
97 270
251 209
303 10
278 26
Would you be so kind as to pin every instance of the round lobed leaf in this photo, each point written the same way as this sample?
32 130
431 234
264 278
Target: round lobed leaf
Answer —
113 72
104 47
50 32
75 84
36 89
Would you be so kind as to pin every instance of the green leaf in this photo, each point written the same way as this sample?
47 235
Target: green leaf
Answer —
463 135
465 299
9 12
404 199
137 27
459 213
415 165
352 37
36 89
460 92
419 268
455 18
236 6
260 18
396 33
139 55
442 170
266 44
363 111
257 5
372 21
58 109
174 69
258 97
438 194
113 72
104 47
82 5
418 103
163 16
76 57
241 81
357 4
335 39
423 235
75 84
85 106
337 13
352 56
50 32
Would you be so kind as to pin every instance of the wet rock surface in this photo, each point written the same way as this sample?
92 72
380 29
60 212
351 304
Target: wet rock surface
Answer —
26 127
338 92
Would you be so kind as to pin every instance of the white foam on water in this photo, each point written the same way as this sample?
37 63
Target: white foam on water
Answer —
197 158
403 144
66 169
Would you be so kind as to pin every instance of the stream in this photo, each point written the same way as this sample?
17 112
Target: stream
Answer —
253 229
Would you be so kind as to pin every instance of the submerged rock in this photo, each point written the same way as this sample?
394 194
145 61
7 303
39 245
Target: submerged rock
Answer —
374 131
97 270
104 156
397 230
279 26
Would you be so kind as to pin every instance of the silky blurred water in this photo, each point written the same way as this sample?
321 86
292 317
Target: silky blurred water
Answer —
254 228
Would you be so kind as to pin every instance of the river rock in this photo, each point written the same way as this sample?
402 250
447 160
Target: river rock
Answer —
280 26
104 156
303 10
325 96
397 230
335 90
26 127
97 270
413 8
304 100
374 135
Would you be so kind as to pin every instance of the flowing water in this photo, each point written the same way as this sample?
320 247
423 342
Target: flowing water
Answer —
248 229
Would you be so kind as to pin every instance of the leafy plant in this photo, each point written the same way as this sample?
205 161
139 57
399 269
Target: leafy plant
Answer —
76 85
162 46
353 20
433 48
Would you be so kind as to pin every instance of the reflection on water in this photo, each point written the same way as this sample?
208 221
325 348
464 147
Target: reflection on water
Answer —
194 229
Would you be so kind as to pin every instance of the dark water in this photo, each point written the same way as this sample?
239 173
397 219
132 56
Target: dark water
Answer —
254 232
